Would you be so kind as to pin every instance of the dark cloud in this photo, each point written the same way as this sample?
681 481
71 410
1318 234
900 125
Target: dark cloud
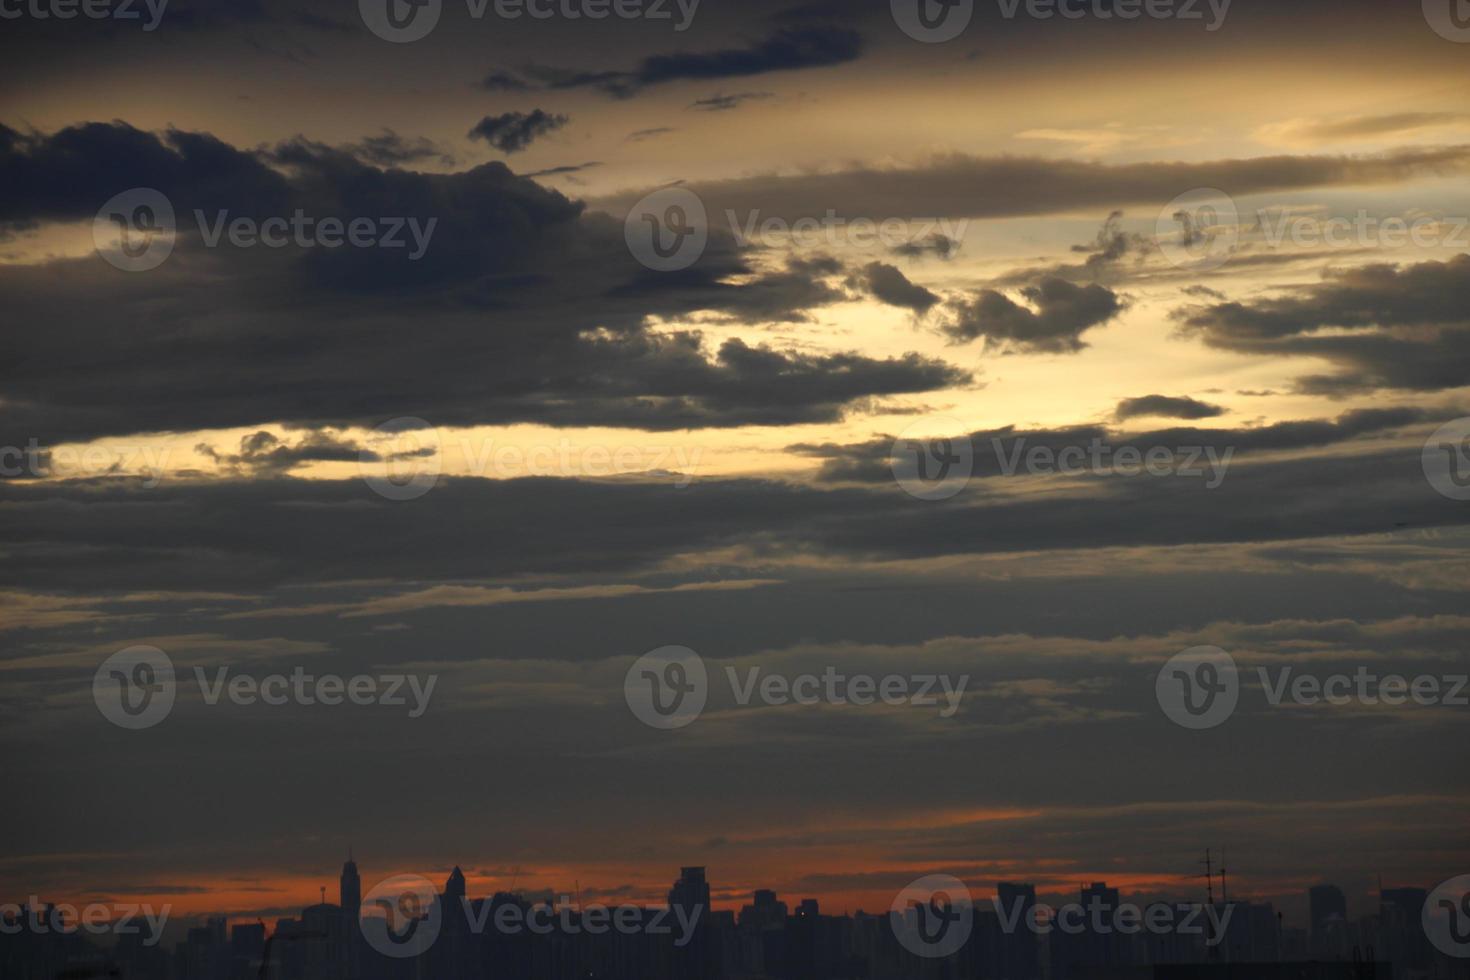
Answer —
512 132
263 454
788 49
240 535
1063 313
69 174
724 103
504 81
1164 406
640 135
963 186
870 462
1383 326
888 285
542 307
937 245
388 149
573 168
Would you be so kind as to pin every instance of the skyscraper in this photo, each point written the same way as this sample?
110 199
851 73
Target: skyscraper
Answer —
1019 950
1329 921
349 888
691 893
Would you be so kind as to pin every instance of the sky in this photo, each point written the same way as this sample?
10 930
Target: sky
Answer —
1237 234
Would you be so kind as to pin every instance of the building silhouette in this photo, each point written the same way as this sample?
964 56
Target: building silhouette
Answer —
766 940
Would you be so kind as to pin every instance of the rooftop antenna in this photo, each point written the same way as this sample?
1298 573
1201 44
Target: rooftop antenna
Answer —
1209 877
1224 894
324 894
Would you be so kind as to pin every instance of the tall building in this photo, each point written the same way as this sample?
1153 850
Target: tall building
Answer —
349 894
1329 921
690 893
349 887
1093 942
454 889
1020 950
691 890
1403 941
